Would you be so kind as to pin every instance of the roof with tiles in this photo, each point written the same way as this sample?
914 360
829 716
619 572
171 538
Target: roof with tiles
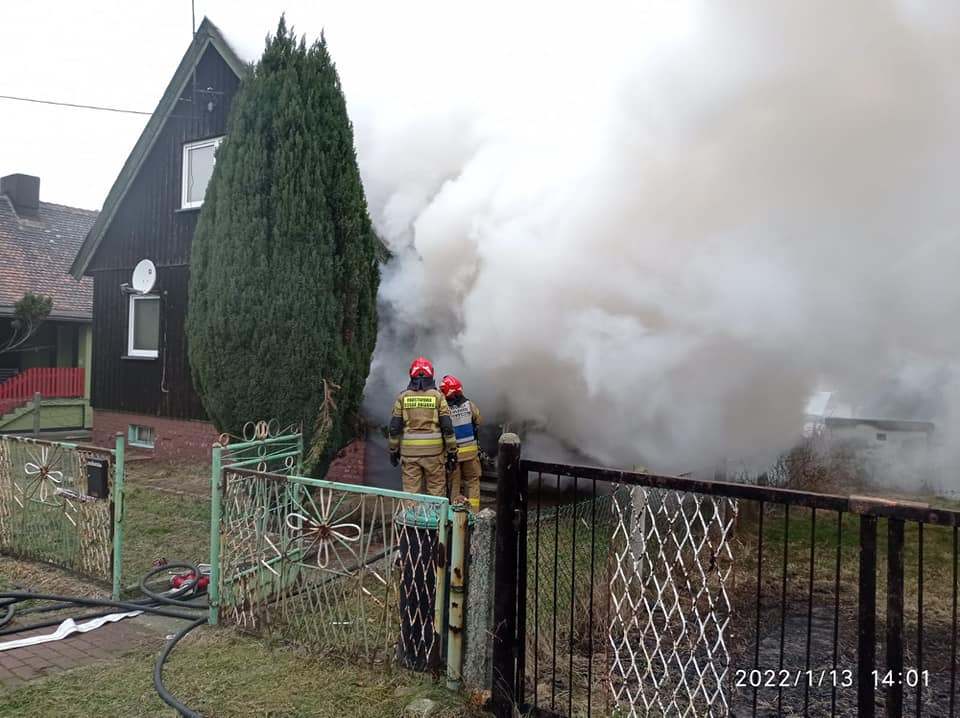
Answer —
36 251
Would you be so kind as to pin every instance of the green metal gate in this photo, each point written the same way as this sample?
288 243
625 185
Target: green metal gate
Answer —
62 503
337 568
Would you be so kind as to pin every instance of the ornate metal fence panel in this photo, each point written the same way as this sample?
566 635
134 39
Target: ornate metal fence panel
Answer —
46 511
669 605
264 446
345 570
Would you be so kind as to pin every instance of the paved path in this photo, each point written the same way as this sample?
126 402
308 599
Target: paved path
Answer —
28 663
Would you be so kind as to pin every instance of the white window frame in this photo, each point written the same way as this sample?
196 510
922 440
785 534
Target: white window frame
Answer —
133 436
143 353
185 178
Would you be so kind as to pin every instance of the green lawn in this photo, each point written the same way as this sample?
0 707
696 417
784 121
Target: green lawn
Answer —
937 556
217 672
163 525
222 675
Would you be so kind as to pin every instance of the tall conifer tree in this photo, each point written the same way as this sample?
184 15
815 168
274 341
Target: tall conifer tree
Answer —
284 266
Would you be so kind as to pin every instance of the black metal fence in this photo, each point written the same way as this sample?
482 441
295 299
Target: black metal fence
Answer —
634 594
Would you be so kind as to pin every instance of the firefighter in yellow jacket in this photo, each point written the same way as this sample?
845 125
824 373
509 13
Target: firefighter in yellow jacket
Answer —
421 433
466 421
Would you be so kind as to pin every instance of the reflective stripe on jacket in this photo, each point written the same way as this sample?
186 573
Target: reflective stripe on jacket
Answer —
466 419
420 425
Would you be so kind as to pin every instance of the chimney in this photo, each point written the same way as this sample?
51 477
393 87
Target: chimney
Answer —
23 191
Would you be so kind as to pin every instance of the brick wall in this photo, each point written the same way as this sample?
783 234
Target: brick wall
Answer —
349 465
175 439
178 439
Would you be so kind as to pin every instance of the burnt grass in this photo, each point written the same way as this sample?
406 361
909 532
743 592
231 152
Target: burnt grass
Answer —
802 597
830 600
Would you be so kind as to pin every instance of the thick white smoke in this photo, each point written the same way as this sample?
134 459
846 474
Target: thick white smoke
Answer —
654 230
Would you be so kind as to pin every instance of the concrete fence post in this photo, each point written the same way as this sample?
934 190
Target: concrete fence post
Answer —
478 643
638 531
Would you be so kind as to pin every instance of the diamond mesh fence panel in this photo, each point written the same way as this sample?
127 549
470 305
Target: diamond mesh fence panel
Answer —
669 604
627 606
343 570
45 512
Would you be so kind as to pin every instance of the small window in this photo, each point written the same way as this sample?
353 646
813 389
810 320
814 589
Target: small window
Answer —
143 332
881 436
198 160
142 436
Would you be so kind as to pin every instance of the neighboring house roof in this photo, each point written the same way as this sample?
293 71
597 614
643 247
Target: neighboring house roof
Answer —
207 34
35 255
817 404
834 422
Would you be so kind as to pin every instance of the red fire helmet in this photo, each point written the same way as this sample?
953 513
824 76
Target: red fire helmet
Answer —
421 366
450 385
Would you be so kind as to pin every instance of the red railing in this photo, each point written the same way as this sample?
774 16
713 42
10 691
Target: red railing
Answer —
55 383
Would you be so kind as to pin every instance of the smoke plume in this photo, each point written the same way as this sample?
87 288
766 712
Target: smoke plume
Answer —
653 231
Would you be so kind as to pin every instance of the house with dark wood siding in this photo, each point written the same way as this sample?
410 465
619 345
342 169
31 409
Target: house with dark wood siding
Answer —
141 379
141 382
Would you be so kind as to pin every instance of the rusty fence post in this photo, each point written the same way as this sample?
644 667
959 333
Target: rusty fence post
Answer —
520 511
867 623
895 616
505 639
455 623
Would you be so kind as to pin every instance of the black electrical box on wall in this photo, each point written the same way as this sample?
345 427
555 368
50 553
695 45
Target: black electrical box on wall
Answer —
97 484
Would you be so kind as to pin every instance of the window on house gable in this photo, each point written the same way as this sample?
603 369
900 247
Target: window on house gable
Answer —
143 330
198 160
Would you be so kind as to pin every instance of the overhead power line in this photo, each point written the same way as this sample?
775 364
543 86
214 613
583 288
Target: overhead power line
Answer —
70 104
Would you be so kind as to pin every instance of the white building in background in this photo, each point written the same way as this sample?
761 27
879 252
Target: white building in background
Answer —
890 451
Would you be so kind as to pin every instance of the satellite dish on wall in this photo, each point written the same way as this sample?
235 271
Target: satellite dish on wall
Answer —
144 276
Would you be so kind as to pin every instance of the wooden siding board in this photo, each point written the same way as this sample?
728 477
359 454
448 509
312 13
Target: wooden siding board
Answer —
148 226
155 387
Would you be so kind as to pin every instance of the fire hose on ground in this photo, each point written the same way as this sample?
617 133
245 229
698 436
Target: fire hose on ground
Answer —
172 604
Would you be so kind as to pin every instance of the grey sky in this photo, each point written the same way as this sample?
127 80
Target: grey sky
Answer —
122 54
118 54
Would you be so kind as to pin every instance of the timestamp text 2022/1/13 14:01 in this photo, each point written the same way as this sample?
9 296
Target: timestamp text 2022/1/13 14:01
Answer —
845 678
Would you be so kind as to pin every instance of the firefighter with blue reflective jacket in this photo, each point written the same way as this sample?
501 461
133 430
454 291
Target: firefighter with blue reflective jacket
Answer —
465 479
421 433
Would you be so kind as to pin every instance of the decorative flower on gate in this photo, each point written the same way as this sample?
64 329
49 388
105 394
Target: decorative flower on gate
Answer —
323 529
44 480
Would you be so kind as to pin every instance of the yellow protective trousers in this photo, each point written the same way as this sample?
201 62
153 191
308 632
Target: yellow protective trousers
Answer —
424 475
465 481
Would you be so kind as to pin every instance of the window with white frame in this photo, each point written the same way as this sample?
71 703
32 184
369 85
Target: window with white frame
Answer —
143 329
142 436
198 160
